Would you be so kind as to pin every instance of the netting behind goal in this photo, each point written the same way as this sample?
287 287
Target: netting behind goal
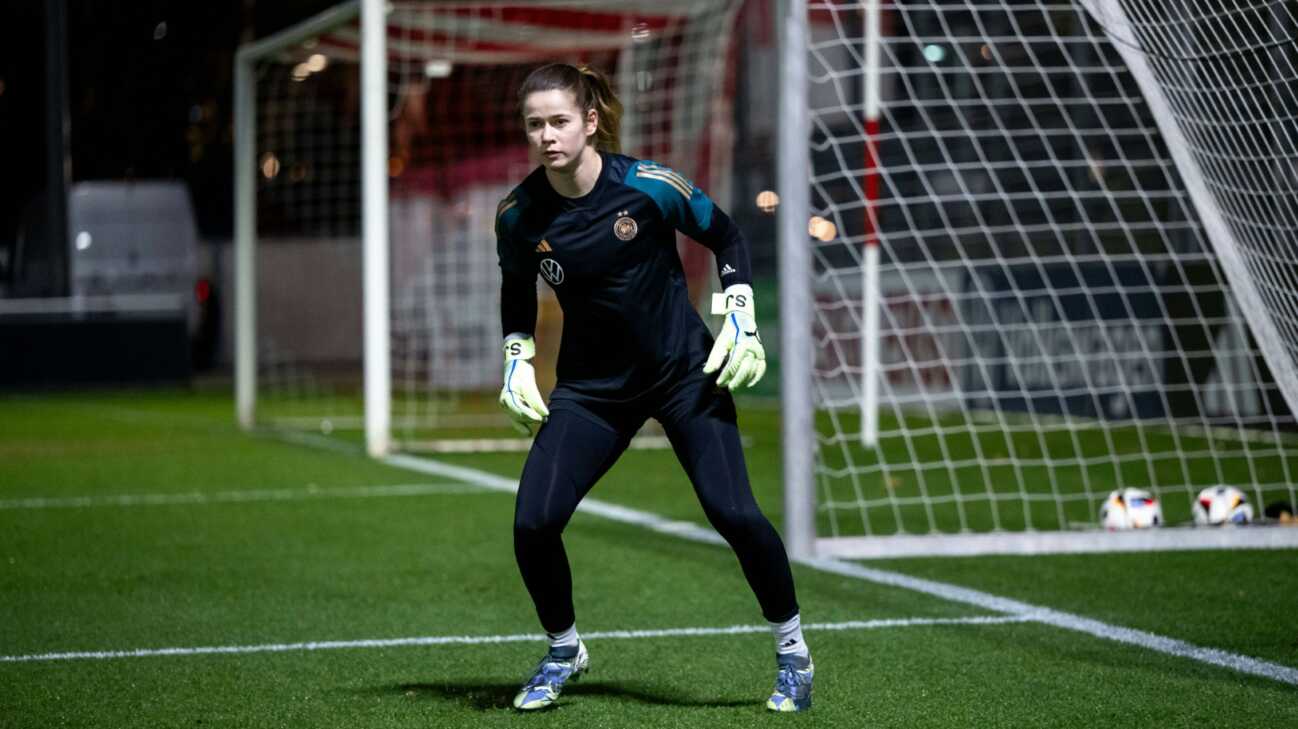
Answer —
456 148
1055 318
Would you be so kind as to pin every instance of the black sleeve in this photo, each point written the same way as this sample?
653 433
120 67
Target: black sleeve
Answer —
723 237
517 303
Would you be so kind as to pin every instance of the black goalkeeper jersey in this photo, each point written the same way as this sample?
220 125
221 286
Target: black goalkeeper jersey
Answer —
610 256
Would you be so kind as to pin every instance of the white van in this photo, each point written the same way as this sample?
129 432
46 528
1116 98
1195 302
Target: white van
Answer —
133 240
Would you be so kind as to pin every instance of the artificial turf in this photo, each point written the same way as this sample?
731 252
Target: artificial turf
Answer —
321 564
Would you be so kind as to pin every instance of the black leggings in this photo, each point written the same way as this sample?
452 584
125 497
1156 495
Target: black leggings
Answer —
580 443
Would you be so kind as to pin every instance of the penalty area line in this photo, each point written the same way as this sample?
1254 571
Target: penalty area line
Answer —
441 640
243 496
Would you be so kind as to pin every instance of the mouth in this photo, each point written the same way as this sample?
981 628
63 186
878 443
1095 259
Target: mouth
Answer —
552 154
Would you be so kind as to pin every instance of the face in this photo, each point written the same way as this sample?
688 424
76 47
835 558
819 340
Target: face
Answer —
556 129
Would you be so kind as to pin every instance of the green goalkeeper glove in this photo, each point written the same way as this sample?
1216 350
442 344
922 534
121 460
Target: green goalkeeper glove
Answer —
519 395
738 339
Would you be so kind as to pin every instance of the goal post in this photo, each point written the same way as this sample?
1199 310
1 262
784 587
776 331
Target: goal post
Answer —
1081 259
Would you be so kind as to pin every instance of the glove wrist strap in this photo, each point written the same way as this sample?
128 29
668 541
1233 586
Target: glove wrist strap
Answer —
737 297
519 346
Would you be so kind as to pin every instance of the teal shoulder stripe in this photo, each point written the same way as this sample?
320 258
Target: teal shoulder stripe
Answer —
509 210
681 203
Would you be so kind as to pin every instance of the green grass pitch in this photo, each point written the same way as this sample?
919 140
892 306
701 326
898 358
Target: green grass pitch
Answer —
237 540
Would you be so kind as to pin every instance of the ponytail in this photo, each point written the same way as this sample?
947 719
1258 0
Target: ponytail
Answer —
591 89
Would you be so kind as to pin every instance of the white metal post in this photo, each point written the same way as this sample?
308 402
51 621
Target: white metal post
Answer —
374 184
245 196
245 226
870 298
796 315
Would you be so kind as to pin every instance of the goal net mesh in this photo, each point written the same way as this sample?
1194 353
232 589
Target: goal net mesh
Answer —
1058 318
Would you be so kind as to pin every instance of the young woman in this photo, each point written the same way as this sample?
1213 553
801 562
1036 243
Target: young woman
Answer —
600 227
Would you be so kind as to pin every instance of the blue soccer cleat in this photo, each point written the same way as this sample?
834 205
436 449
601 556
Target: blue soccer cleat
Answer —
792 684
557 667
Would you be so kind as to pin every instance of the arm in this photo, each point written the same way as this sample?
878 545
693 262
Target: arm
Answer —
691 211
519 395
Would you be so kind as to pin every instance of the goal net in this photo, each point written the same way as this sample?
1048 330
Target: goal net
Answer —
456 148
1054 255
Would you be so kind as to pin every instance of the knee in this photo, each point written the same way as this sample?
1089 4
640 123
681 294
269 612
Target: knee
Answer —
739 524
536 525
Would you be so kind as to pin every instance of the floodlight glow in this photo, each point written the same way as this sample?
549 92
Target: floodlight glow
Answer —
934 53
269 165
300 72
438 68
767 200
83 240
821 229
317 62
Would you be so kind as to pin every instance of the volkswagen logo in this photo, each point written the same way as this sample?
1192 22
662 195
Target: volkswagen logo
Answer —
552 271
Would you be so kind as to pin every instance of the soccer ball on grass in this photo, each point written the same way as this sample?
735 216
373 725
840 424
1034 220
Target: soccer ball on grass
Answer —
1221 505
1131 509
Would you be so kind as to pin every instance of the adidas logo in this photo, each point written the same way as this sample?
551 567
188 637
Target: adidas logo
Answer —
544 247
727 270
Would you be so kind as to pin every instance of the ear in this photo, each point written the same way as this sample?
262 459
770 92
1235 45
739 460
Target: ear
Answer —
592 122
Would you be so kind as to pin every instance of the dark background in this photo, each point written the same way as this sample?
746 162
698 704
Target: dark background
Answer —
149 95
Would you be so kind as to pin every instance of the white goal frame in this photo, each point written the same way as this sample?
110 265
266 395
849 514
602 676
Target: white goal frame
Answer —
374 134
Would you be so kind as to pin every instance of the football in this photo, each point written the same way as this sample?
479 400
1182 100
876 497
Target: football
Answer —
1221 505
1131 509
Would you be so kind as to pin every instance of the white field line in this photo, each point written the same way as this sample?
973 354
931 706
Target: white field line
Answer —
946 591
225 497
438 640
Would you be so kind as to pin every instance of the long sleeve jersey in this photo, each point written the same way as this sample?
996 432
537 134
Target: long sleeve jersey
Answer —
610 257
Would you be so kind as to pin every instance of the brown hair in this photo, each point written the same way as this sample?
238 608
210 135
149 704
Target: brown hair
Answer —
590 88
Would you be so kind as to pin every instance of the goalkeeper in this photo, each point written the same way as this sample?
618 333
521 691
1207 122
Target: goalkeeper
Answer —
599 227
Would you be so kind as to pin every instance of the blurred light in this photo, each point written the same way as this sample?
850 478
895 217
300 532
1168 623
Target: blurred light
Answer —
396 165
934 53
316 63
438 68
160 31
269 165
767 200
203 290
300 72
822 229
640 32
985 52
83 240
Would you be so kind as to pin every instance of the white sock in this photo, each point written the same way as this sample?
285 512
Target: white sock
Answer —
788 637
566 639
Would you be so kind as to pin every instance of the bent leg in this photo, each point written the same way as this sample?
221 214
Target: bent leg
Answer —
569 455
701 425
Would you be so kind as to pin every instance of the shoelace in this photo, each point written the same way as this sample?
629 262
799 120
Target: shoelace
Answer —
786 681
548 672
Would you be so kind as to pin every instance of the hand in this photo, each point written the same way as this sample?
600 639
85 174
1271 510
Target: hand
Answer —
738 339
519 395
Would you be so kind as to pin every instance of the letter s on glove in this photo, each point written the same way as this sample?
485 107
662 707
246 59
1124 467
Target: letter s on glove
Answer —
738 344
519 395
